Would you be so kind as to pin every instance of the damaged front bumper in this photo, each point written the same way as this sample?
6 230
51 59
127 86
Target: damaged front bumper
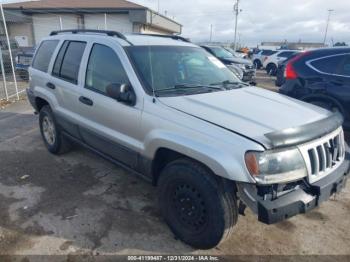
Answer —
278 202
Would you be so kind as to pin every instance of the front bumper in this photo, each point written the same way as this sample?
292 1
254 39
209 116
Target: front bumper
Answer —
299 200
248 75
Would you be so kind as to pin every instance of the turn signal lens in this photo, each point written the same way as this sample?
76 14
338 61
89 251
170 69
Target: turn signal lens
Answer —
252 163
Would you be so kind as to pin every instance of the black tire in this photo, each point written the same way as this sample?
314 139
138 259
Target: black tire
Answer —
59 144
195 205
257 63
271 69
329 105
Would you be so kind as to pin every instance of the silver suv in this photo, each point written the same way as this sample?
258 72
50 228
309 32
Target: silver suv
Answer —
173 113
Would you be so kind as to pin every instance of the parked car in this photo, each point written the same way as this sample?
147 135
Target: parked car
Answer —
321 77
236 54
258 57
23 60
280 79
229 60
15 49
167 110
271 62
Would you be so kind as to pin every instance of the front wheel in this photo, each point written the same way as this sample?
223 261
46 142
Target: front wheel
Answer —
194 204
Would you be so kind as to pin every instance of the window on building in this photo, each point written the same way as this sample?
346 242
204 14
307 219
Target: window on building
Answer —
43 56
68 61
104 68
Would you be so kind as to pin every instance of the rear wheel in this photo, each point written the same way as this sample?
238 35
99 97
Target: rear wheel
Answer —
271 69
257 63
54 141
195 205
329 105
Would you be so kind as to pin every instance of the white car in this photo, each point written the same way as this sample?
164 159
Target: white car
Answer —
259 57
271 62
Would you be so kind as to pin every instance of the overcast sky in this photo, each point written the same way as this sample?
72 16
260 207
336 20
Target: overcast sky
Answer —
260 20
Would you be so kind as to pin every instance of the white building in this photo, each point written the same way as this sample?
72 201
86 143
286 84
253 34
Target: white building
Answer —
28 22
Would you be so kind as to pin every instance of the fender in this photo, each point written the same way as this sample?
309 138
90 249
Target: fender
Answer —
218 159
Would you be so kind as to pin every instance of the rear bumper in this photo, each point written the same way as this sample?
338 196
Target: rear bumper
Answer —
31 99
297 201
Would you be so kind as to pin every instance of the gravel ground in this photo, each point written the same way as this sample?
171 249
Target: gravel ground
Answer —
80 204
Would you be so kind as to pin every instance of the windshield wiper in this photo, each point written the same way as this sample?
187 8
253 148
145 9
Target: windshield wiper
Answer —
228 82
188 87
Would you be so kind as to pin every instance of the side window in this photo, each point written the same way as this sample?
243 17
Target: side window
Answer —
43 56
104 68
68 61
328 65
285 54
344 68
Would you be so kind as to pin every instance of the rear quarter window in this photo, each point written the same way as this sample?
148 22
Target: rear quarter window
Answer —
327 65
44 54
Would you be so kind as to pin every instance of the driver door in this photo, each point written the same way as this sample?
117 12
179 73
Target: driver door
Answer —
109 126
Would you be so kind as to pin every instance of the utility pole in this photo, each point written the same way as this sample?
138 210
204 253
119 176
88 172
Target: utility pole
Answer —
328 19
211 32
236 10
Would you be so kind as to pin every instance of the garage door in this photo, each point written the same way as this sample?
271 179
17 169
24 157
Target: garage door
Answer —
44 24
115 22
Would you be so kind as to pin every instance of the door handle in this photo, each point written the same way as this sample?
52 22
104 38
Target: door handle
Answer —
50 85
86 101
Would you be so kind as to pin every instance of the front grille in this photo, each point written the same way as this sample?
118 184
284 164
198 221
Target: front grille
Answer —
324 155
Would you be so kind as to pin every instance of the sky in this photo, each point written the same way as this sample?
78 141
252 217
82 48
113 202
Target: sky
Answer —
260 20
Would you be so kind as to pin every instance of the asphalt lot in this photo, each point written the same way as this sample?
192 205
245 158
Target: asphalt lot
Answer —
79 203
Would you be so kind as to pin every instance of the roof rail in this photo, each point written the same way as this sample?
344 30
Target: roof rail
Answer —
175 37
107 32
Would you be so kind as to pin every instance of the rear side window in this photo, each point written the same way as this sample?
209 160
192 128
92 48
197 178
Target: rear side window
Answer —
286 54
327 65
43 56
68 61
268 52
104 68
344 68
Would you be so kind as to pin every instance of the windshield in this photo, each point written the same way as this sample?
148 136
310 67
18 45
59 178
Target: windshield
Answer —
169 68
221 52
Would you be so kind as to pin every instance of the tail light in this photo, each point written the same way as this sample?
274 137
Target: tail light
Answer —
289 72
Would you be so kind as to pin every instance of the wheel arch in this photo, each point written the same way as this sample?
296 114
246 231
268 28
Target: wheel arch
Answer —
323 98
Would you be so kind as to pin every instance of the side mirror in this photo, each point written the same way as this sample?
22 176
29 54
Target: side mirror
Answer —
123 93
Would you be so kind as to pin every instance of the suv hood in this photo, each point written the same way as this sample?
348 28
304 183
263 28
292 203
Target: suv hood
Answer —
237 60
251 112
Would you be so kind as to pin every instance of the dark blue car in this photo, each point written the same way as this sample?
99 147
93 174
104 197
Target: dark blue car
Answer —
23 61
321 77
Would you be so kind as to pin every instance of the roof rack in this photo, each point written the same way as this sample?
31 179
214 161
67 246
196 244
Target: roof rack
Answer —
107 32
175 37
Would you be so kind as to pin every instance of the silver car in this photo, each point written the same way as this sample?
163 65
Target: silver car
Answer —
169 111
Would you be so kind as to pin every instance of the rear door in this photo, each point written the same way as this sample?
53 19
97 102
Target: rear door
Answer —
64 82
109 126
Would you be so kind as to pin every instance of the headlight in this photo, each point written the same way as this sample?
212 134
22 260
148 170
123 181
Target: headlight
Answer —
241 66
236 70
277 166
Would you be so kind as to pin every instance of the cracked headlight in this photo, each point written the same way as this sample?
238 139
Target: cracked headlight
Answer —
276 166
